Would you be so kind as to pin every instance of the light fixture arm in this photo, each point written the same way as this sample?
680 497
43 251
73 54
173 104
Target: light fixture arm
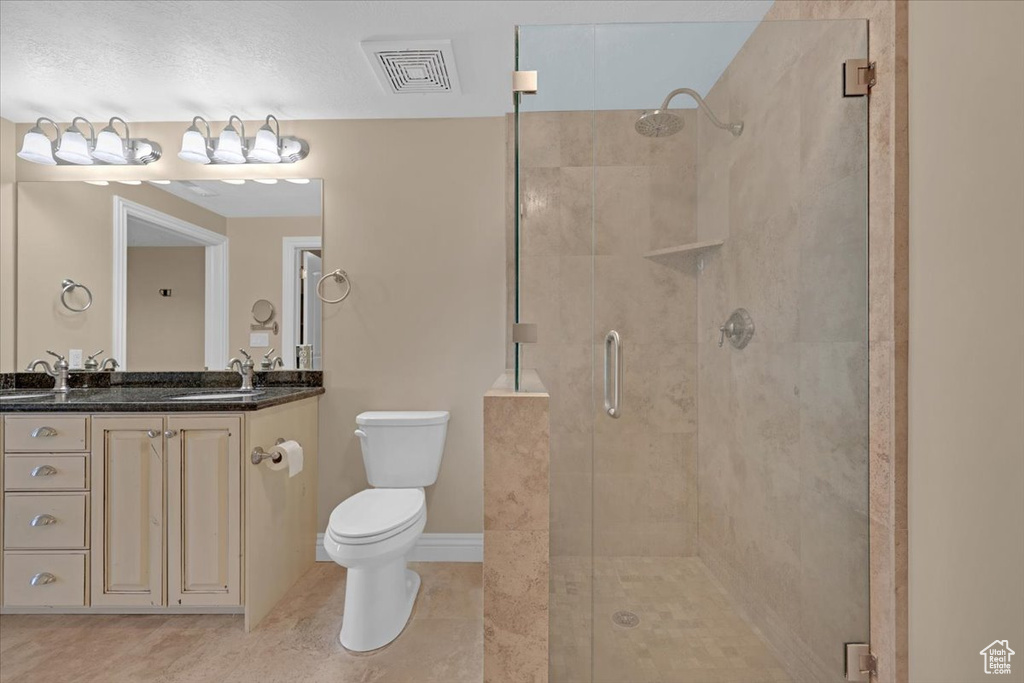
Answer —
277 126
205 123
241 127
92 131
50 121
734 128
127 133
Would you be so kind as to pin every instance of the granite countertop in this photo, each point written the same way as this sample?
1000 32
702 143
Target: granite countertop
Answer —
128 392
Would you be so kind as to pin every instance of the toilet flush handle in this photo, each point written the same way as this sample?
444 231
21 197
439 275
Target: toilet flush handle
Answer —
360 433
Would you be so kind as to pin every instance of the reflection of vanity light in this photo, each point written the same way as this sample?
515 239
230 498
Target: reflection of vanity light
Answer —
298 181
265 181
233 181
233 147
130 182
101 183
74 148
160 182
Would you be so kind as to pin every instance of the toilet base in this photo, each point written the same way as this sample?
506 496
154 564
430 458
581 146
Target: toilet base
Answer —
378 603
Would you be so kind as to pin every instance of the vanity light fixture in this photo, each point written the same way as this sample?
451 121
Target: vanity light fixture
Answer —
160 182
298 181
233 147
73 147
130 182
38 148
265 181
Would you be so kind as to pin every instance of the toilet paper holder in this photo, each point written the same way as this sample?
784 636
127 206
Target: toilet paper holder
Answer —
259 455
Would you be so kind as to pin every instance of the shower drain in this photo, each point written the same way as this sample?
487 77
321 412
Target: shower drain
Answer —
625 619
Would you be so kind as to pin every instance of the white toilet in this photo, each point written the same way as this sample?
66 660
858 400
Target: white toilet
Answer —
372 532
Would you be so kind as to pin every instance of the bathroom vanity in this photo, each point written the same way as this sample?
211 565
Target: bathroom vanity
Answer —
131 496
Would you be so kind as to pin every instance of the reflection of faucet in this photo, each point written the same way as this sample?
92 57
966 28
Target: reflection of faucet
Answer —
245 369
59 372
269 363
112 362
92 366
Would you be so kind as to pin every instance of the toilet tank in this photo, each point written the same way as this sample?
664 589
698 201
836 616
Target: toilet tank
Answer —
402 449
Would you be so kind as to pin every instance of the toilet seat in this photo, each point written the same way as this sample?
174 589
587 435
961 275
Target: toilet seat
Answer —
375 515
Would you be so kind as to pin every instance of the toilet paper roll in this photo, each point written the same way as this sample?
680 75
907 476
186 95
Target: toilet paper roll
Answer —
290 453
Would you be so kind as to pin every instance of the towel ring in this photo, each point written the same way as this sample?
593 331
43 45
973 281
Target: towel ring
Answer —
67 286
339 275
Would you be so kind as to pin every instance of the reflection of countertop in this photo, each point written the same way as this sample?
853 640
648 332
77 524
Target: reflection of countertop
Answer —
152 392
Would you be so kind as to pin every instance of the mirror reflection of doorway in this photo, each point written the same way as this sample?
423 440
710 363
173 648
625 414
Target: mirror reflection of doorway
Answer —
302 261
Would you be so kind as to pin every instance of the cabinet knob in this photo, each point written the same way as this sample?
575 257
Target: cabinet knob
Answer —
43 471
152 433
171 433
42 578
43 520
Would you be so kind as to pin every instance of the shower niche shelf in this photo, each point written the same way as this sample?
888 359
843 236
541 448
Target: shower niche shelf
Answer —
669 254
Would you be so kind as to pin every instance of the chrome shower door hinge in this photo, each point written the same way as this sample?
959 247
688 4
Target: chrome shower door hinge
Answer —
858 77
524 82
861 665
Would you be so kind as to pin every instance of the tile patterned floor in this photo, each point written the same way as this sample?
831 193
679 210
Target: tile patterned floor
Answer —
297 642
688 631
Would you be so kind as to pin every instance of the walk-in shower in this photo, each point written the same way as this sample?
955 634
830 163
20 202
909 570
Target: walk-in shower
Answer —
716 529
661 122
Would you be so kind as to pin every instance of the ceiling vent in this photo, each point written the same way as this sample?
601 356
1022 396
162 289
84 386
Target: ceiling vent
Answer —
413 66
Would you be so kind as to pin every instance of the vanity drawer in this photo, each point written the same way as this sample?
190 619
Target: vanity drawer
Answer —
59 579
46 434
33 520
44 472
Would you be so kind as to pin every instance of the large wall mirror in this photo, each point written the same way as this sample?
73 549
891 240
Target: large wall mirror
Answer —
171 275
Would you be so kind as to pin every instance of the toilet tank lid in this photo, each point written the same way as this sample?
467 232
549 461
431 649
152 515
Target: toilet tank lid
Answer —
410 418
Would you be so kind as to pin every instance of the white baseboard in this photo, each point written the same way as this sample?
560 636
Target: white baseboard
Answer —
433 548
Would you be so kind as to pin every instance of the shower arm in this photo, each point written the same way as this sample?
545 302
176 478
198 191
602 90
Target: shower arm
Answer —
734 128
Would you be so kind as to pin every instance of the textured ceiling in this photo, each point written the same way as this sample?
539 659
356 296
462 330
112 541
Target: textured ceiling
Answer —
169 60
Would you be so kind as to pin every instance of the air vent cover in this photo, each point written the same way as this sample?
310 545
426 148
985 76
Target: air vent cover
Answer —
413 66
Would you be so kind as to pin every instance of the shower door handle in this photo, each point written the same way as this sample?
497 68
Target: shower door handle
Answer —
612 377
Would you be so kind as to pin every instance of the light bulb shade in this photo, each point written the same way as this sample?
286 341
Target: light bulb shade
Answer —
37 148
193 147
74 148
110 148
265 147
229 147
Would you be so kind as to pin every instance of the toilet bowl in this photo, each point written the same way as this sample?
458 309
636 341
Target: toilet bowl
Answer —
372 532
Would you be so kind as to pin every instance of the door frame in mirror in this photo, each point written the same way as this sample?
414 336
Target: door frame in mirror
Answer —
216 302
290 248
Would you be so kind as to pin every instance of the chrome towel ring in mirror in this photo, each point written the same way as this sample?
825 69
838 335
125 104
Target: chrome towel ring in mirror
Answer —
68 286
339 275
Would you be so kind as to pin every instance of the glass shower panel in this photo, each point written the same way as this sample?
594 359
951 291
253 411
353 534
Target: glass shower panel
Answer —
692 243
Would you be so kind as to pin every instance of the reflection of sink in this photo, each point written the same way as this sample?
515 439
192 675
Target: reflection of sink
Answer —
217 397
20 397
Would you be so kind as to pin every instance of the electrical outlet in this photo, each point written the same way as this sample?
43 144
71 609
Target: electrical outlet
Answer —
259 340
75 361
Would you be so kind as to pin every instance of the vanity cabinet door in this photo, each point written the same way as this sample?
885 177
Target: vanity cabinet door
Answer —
204 513
127 511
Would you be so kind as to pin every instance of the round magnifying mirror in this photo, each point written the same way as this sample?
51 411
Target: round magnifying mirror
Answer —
263 311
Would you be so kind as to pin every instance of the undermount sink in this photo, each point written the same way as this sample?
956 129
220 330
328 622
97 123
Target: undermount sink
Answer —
223 396
22 397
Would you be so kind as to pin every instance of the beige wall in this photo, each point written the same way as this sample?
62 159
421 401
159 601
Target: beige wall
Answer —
8 246
783 423
65 230
166 332
966 337
255 273
413 210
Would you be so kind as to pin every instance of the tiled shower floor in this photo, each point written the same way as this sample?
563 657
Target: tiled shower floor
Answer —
688 631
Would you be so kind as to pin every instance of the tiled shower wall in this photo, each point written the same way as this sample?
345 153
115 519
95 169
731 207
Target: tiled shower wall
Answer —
596 197
783 426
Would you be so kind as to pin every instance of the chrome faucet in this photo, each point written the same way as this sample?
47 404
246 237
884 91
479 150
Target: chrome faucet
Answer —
91 365
269 363
59 371
243 368
111 362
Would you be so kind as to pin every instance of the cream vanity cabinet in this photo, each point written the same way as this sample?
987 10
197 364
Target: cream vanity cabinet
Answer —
173 478
148 512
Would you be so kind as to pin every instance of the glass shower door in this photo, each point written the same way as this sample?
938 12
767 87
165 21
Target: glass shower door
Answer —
693 249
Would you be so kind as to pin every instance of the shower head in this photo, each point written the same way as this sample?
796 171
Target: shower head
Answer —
658 124
661 123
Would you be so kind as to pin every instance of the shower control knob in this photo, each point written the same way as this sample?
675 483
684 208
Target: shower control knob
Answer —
738 329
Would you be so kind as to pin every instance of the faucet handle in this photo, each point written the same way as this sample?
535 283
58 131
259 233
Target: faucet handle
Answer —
55 355
267 354
246 354
93 356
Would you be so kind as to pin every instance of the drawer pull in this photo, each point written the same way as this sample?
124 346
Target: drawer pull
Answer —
42 578
40 432
43 520
43 471
152 433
